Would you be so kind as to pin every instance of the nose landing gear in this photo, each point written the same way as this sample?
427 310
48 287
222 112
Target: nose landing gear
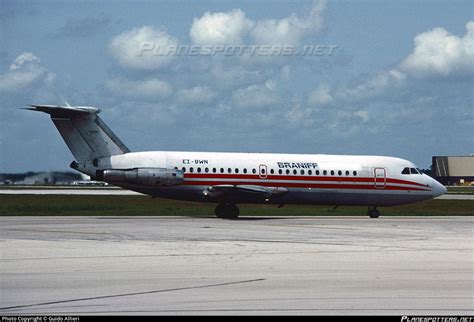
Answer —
373 212
227 211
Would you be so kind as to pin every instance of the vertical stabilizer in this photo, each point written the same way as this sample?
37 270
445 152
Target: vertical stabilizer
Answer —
86 135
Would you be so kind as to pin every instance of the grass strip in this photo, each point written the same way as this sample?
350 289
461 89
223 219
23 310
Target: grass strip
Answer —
78 205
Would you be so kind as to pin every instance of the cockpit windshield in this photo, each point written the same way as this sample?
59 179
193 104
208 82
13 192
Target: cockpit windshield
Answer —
408 170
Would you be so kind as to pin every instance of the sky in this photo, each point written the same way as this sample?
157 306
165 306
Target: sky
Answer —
392 78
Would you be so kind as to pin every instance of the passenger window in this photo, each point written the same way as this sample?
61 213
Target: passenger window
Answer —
262 171
280 171
347 173
354 173
214 170
191 169
184 169
339 172
272 171
229 170
325 172
222 170
332 172
295 172
254 171
310 172
245 170
302 171
406 171
317 172
199 169
236 170
287 171
206 170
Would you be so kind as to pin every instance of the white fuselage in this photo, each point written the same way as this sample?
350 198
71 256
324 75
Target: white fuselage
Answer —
231 178
307 178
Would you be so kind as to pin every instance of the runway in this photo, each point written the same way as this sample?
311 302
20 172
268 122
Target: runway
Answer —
122 192
182 265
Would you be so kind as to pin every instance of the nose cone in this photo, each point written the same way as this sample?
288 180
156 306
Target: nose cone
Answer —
438 189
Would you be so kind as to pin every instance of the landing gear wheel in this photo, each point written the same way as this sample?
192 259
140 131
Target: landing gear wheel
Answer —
227 211
373 212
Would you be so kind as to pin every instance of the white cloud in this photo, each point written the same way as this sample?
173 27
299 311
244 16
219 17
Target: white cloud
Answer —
143 48
255 96
270 84
364 115
231 28
289 30
299 115
320 96
26 70
150 88
196 95
437 52
220 28
232 75
374 86
22 59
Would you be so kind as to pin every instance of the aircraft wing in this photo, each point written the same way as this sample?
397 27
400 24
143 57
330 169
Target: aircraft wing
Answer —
266 192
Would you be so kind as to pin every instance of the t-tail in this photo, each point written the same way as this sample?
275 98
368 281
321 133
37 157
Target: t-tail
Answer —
86 135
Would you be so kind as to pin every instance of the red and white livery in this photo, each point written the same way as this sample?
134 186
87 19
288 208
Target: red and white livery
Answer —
232 178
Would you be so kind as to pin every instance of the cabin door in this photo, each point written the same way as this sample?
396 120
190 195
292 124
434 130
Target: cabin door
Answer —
380 178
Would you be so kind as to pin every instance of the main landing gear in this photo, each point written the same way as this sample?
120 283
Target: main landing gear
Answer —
227 211
373 212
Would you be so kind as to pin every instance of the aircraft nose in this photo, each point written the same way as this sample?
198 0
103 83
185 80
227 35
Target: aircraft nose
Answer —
438 189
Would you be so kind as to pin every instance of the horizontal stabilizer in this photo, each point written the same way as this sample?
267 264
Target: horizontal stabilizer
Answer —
64 111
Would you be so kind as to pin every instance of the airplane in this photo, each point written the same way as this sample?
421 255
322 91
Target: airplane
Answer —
228 179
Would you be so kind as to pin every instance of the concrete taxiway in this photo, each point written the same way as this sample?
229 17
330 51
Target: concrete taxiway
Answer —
181 265
122 192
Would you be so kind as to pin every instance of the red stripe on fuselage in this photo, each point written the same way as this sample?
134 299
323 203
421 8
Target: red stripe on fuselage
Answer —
217 176
301 185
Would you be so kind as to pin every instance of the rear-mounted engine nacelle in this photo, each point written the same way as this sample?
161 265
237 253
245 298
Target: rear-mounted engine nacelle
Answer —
155 177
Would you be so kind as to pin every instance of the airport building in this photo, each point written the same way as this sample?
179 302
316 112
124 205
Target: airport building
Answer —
454 170
40 178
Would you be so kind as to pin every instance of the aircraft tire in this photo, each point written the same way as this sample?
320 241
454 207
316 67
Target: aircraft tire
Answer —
373 213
